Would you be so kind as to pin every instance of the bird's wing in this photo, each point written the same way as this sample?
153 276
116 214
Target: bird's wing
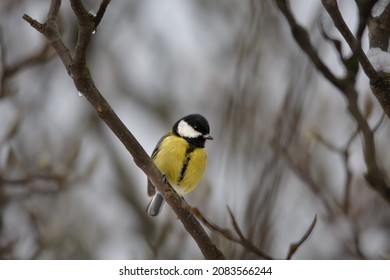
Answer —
151 189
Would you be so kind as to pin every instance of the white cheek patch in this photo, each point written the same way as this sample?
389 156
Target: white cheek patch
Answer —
185 130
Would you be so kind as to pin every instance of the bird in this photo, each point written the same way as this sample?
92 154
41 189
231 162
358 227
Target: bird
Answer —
181 157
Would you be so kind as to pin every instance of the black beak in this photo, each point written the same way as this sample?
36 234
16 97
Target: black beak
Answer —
208 137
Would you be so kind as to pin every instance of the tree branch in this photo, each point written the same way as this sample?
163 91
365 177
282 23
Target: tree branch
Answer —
379 37
333 10
379 82
50 30
247 243
101 11
79 72
374 176
365 8
86 23
45 54
302 38
229 235
295 246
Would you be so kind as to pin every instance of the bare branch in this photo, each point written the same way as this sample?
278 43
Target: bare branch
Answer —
365 8
245 241
380 84
22 182
51 32
336 43
295 246
374 176
379 37
84 83
229 235
225 232
303 172
303 40
43 55
101 11
344 154
35 24
86 24
338 20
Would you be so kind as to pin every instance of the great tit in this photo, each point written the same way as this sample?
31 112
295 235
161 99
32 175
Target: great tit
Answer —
181 157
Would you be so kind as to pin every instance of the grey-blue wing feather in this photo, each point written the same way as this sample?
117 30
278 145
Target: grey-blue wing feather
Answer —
151 189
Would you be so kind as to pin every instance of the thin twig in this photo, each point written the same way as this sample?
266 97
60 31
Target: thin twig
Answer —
365 8
248 244
375 175
344 154
348 181
295 246
24 181
100 13
225 232
229 235
44 55
51 32
303 172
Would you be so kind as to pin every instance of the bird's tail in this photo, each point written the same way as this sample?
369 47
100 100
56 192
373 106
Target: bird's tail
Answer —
155 205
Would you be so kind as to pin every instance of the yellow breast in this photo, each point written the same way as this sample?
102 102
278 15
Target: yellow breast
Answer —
183 166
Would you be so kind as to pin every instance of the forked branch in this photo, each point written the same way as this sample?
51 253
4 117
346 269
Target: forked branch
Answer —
79 72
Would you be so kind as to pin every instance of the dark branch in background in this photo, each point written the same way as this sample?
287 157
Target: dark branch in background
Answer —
8 71
302 170
379 35
354 44
365 8
79 72
44 181
302 38
295 246
229 235
246 242
374 175
43 55
344 153
28 179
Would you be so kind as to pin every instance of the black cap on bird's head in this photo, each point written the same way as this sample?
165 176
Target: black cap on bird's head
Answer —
194 128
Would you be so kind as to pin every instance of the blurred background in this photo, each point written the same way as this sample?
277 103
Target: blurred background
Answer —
285 146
